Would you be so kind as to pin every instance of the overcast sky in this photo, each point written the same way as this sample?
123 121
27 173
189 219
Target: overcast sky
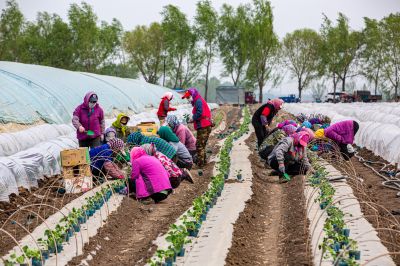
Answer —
288 14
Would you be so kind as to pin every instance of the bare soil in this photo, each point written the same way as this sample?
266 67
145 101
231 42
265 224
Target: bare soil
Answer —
273 228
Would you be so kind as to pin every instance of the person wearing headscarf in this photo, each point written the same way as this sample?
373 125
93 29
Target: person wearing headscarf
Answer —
88 119
343 133
263 117
202 121
276 135
164 106
183 133
120 126
102 159
287 122
109 134
138 139
149 179
184 159
290 155
176 175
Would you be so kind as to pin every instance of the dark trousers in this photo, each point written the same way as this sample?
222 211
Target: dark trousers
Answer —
264 153
157 197
260 130
343 150
182 164
291 169
175 181
90 143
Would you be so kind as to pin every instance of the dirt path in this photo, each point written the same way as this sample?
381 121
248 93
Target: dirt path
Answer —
127 238
270 231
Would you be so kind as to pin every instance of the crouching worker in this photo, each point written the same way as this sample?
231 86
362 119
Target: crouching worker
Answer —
342 133
183 157
273 138
149 180
102 158
290 155
176 175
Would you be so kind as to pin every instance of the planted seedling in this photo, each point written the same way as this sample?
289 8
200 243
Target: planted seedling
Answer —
239 175
14 259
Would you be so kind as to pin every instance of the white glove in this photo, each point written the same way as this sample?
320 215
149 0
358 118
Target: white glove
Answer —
350 148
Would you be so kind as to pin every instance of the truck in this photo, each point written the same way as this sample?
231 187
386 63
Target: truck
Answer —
290 99
250 97
356 96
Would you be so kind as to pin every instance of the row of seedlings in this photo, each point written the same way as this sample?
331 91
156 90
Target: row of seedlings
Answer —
336 243
190 223
53 240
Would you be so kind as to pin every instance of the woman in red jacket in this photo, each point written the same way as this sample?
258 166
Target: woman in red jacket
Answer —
202 122
263 117
165 107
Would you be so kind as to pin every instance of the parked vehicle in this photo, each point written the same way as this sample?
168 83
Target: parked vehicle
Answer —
290 99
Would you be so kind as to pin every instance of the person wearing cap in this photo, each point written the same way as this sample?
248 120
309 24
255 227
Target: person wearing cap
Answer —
263 117
88 119
120 126
165 107
343 133
102 159
202 121
290 155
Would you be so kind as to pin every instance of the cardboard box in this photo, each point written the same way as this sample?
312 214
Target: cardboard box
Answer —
147 128
77 179
76 171
75 157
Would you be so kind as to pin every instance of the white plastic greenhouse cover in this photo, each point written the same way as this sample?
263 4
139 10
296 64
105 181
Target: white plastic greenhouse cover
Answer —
379 123
30 93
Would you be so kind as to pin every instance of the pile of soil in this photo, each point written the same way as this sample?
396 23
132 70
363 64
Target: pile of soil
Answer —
127 237
273 228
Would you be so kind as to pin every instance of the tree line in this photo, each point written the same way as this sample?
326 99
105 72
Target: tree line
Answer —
177 54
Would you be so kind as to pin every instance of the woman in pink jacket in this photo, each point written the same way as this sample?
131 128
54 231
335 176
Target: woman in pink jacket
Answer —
149 178
183 133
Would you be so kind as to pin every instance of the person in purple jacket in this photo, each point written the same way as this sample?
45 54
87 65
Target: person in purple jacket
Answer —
343 134
88 119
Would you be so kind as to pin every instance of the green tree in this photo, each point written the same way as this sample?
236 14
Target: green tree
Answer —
11 28
390 27
184 57
48 42
340 50
301 50
264 46
93 45
372 54
207 30
144 46
233 41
